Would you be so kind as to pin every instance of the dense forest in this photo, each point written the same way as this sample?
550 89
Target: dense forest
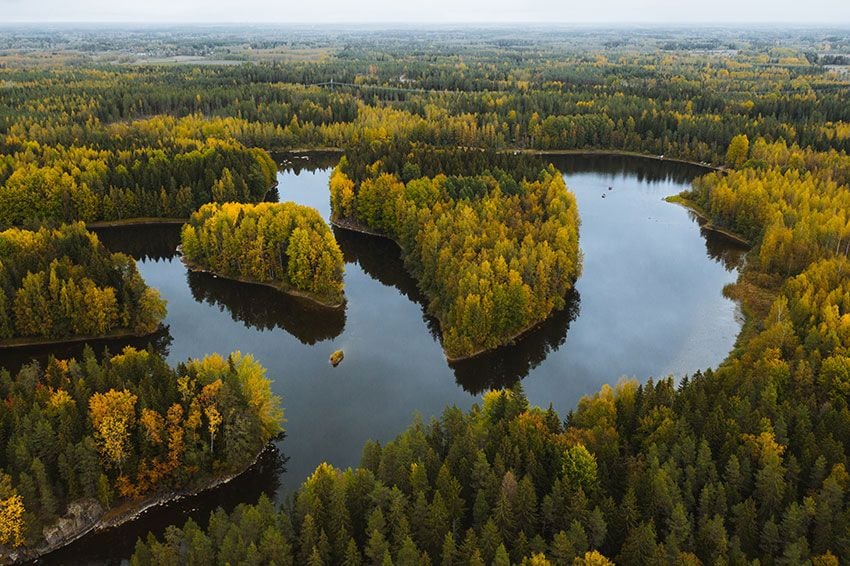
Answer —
129 427
494 252
623 95
746 462
743 464
53 184
285 245
63 283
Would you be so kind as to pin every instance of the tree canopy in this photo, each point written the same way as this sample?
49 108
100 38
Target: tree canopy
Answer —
121 430
63 283
282 244
494 252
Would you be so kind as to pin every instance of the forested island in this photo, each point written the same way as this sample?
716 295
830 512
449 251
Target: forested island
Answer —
283 245
746 463
63 284
495 250
90 443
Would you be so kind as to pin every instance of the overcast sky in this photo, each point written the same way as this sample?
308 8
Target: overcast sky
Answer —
428 11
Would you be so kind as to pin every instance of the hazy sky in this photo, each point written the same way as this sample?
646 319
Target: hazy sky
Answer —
341 11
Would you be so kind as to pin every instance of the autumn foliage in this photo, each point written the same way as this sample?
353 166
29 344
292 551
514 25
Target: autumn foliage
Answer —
124 428
282 244
64 283
495 251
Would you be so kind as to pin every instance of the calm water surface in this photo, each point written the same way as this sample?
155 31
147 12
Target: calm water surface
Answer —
649 303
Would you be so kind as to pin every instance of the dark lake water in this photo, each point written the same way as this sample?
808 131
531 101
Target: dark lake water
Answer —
649 303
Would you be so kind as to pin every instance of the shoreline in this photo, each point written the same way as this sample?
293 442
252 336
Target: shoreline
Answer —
353 226
540 152
152 220
281 288
708 224
141 221
511 340
116 517
618 153
11 343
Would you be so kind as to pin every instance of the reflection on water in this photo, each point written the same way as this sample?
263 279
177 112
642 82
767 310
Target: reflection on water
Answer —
13 360
380 258
143 242
642 169
113 545
505 366
721 248
296 163
265 308
651 305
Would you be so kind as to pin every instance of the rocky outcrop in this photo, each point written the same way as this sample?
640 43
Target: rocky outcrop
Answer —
81 516
86 516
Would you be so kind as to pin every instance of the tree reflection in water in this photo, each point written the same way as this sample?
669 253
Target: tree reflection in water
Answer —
144 242
381 259
265 308
14 359
507 365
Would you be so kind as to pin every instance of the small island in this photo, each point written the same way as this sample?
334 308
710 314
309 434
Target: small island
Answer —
282 245
63 285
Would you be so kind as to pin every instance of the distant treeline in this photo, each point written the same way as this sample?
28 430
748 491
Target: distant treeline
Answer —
46 184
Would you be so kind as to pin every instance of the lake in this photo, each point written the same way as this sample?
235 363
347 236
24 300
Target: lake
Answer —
649 303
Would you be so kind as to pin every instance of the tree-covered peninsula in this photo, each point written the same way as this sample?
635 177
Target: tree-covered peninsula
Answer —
491 239
283 245
63 284
83 437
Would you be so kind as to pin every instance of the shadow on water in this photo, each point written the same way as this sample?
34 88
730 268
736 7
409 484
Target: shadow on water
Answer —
307 160
255 306
113 545
723 249
381 259
14 360
645 169
507 365
151 242
265 308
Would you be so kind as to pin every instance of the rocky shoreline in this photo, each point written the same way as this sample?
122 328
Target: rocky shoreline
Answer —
87 517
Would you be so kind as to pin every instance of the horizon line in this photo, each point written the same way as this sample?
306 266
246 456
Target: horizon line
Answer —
537 23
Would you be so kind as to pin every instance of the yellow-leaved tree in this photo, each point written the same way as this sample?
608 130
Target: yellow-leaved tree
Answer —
11 514
112 415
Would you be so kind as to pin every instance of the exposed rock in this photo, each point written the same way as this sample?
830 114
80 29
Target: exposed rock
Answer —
79 517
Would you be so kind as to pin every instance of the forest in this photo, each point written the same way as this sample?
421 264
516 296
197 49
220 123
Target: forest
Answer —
45 184
58 284
745 463
285 245
495 252
123 429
